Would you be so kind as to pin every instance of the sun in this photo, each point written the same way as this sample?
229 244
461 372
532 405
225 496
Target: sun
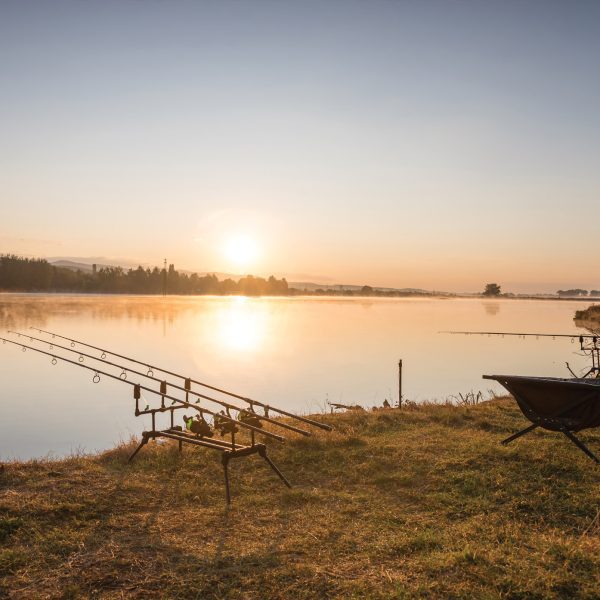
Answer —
241 251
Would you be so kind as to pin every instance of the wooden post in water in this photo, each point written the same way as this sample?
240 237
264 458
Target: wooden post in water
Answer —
400 383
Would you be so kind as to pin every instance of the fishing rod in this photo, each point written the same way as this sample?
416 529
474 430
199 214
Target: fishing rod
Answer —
520 334
126 369
138 386
588 344
151 368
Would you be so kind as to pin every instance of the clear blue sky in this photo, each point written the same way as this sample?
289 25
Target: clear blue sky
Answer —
430 144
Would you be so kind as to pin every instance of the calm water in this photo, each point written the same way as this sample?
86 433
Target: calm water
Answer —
294 353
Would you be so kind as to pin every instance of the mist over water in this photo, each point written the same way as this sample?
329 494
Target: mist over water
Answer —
295 353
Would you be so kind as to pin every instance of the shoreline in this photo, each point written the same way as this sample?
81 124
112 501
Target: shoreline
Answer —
299 295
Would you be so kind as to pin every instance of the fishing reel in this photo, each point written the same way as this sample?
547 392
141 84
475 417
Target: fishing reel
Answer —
249 417
223 424
198 425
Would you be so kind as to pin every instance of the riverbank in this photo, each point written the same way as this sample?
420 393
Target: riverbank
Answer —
588 317
417 502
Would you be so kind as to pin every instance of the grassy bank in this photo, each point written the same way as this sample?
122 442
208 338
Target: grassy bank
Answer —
590 315
422 502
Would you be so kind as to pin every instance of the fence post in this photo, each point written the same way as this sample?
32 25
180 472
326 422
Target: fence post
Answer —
400 383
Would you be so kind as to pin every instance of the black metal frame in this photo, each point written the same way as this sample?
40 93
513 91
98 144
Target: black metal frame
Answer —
228 452
553 422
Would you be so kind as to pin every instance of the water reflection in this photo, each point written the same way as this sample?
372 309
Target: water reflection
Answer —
242 326
289 352
22 311
592 327
491 308
15 314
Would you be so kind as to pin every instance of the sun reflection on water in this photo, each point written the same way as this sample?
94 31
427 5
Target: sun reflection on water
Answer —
242 325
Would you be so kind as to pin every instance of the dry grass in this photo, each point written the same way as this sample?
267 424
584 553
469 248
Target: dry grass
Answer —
590 317
422 502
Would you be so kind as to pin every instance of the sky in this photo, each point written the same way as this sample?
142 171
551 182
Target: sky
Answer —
438 145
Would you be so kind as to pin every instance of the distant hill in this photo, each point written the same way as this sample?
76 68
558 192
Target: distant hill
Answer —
75 266
85 264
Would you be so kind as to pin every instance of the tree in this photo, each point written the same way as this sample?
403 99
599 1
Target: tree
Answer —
573 292
492 289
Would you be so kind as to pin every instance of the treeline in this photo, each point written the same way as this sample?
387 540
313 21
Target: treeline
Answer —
365 290
38 275
578 292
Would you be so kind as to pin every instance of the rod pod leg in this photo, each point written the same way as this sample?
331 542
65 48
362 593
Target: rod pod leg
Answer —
263 452
145 439
581 445
513 437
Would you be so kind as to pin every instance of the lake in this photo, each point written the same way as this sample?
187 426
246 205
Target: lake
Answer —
296 353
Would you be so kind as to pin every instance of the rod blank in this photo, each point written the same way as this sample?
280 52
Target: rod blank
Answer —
250 401
275 436
565 335
162 383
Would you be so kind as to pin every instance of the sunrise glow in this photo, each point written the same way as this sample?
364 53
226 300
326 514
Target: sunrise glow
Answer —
241 251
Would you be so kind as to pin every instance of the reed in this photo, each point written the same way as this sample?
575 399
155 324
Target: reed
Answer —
590 314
